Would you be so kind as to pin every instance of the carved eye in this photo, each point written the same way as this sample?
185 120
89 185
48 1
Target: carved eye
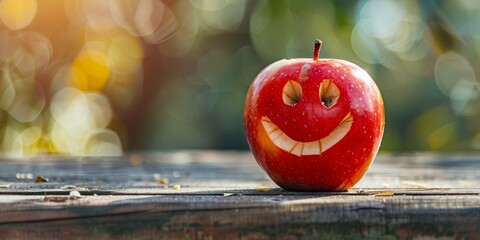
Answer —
329 93
292 93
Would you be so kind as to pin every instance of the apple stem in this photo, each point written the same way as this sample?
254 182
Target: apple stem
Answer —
316 49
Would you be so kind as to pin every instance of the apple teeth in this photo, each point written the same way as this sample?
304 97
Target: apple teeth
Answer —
269 126
312 148
276 134
298 148
292 92
329 93
286 142
338 133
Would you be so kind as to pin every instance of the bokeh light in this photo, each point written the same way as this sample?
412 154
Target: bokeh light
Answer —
90 71
86 77
69 79
17 14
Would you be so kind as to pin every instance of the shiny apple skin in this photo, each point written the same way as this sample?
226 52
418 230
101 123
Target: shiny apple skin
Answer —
339 167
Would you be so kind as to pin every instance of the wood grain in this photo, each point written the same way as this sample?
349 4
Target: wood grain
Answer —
401 197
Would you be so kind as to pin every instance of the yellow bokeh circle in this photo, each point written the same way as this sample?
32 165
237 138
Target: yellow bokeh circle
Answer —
90 71
17 14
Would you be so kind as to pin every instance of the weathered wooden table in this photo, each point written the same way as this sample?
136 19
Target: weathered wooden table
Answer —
225 195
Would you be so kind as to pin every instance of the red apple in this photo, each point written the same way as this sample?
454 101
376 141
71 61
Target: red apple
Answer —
314 124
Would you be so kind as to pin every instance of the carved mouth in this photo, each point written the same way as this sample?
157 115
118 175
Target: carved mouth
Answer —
284 142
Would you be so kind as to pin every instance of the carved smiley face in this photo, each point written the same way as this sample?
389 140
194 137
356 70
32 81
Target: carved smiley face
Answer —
314 124
329 95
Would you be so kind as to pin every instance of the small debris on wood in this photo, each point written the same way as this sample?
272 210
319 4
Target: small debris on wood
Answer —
75 194
24 176
228 194
176 187
162 180
262 188
40 179
159 179
68 187
384 194
135 159
361 191
165 187
414 184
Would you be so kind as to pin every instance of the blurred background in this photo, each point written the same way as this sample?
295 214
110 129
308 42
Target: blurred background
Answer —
89 77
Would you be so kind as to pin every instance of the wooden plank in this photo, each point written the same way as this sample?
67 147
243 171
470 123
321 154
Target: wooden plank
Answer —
226 169
401 197
176 216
